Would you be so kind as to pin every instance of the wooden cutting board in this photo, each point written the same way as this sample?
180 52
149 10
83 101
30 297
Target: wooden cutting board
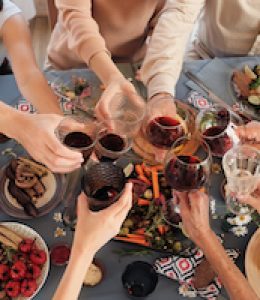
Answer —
147 151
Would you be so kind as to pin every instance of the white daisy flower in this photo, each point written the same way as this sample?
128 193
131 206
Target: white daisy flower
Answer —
57 217
240 220
186 291
59 232
239 231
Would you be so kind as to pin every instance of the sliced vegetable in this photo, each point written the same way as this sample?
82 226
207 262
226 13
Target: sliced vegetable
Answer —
249 72
155 181
131 240
143 202
162 229
254 100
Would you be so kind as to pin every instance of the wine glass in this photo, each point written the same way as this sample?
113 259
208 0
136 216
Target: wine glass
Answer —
112 143
103 183
79 134
186 169
126 113
241 165
162 126
216 126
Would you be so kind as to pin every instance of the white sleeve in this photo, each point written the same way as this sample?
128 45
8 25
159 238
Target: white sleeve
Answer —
163 61
9 9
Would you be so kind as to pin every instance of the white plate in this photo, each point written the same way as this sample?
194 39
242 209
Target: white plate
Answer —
252 262
28 232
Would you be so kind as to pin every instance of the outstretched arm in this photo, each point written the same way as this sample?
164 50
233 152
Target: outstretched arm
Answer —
163 62
195 215
94 229
30 80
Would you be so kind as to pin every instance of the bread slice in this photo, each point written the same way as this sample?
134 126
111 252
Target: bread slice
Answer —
94 275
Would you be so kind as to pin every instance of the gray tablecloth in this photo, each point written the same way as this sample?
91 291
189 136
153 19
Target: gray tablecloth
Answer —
111 287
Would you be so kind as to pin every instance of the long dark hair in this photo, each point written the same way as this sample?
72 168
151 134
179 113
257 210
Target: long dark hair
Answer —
1 5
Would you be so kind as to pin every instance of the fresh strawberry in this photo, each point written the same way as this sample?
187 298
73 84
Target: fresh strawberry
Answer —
4 272
38 257
28 287
18 270
26 245
12 288
33 271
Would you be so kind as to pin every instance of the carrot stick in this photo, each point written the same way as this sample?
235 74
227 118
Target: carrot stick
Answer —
139 170
135 236
135 241
139 231
144 179
156 187
143 202
162 229
147 170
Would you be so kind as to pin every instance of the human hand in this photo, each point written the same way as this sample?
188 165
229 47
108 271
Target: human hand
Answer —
95 229
249 132
37 135
116 86
194 210
252 200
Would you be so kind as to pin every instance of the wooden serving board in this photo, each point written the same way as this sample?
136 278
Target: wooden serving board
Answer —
143 148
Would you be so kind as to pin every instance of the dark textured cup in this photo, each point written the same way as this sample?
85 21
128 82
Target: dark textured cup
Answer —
139 279
103 184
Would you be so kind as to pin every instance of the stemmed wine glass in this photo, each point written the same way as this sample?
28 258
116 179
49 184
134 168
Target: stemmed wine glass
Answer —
162 126
216 126
126 113
186 170
241 165
79 134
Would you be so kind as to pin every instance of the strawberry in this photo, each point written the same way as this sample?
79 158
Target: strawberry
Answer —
33 271
26 245
12 288
4 272
28 287
18 270
38 257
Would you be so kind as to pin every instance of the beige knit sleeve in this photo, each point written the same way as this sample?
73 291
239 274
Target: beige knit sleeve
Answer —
82 29
163 62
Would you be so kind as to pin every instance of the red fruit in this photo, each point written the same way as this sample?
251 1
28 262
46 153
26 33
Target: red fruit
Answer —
33 271
26 245
12 288
4 272
18 270
38 257
28 287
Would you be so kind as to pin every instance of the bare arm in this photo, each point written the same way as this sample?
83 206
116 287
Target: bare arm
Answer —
94 229
31 82
195 215
163 62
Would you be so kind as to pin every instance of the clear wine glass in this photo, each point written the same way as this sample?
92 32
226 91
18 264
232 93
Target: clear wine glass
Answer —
241 165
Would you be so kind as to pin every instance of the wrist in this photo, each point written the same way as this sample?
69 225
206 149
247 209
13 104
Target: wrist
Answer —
8 114
161 95
204 237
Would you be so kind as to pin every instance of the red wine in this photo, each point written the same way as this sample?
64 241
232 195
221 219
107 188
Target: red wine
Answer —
60 254
185 173
112 142
106 193
221 143
79 140
162 132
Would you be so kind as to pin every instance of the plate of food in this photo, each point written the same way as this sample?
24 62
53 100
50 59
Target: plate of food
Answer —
252 262
145 225
245 85
28 189
80 88
24 261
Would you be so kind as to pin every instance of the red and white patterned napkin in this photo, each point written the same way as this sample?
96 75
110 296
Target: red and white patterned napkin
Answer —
182 269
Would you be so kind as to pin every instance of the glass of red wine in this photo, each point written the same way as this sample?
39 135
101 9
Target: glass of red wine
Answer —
216 126
185 170
162 126
112 144
126 113
79 134
103 183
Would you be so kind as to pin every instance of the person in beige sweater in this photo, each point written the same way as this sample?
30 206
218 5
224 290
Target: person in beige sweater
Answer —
225 28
